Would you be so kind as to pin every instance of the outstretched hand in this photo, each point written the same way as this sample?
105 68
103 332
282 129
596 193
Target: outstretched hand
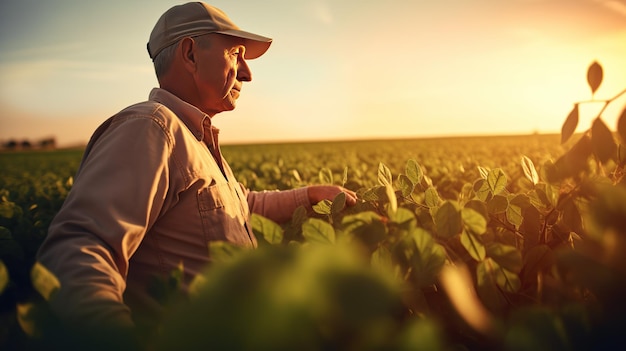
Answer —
318 193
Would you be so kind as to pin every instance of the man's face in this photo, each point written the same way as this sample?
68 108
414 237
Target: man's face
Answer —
221 71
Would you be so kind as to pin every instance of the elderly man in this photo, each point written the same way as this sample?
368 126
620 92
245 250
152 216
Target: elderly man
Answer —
153 189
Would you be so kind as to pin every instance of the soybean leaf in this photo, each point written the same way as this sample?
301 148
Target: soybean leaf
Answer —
569 127
473 245
371 194
478 206
428 258
448 220
487 287
316 230
514 215
621 126
326 176
529 170
467 191
44 281
222 251
384 175
521 200
198 282
296 176
299 215
574 161
338 204
414 171
552 194
484 172
7 209
481 188
431 197
404 218
473 221
490 270
594 76
26 313
367 226
322 207
602 141
382 260
426 219
498 204
571 216
267 229
164 288
177 275
496 180
391 196
344 178
293 229
4 277
405 185
508 257
427 180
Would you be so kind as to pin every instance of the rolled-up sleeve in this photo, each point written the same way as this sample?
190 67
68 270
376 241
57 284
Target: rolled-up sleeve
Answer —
116 197
278 205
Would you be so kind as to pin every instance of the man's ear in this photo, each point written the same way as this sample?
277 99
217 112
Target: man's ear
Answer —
188 53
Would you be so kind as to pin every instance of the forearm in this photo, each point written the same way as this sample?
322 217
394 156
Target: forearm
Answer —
278 205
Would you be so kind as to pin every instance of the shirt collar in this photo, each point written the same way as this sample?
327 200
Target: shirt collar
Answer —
197 121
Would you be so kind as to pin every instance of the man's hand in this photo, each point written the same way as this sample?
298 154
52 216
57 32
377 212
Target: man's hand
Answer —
318 193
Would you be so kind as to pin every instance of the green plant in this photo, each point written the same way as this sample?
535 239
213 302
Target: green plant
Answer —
463 248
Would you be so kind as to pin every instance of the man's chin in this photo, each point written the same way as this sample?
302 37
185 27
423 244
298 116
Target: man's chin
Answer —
229 107
229 103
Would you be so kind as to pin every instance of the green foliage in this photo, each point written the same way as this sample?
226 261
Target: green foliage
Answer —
509 243
44 281
314 298
266 229
4 277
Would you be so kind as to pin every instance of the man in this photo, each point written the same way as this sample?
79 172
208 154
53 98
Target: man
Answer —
153 189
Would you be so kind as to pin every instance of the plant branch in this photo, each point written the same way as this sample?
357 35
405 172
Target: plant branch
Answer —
606 102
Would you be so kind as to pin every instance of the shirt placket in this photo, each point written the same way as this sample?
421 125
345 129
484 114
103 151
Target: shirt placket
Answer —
211 141
212 134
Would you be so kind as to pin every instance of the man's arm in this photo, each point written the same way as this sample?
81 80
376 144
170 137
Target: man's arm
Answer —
116 197
280 205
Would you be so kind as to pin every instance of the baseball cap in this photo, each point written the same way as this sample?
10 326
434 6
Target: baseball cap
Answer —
198 18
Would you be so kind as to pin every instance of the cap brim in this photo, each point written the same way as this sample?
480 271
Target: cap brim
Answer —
256 45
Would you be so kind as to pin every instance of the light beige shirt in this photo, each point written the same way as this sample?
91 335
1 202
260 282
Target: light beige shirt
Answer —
151 193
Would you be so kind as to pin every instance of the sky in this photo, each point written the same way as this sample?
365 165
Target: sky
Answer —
337 69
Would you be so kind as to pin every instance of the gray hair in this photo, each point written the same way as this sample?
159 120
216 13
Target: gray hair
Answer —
163 60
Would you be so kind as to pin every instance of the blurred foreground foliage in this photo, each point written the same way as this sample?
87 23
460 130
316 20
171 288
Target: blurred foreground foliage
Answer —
473 249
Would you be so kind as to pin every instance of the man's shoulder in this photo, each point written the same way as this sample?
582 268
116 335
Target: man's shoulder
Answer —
155 111
146 108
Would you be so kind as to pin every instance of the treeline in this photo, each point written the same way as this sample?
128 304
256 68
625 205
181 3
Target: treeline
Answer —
13 144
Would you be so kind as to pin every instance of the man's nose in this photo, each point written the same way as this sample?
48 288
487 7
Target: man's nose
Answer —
243 71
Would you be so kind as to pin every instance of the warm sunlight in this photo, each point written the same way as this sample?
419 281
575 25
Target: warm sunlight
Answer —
393 69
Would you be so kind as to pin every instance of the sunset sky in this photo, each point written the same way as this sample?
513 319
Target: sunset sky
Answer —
338 69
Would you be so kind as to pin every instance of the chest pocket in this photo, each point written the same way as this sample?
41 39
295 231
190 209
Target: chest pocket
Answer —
224 214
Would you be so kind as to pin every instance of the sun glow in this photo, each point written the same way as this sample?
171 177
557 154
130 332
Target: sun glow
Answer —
392 69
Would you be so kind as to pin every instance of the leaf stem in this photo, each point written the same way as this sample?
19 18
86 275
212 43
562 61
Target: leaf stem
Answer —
606 102
519 234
